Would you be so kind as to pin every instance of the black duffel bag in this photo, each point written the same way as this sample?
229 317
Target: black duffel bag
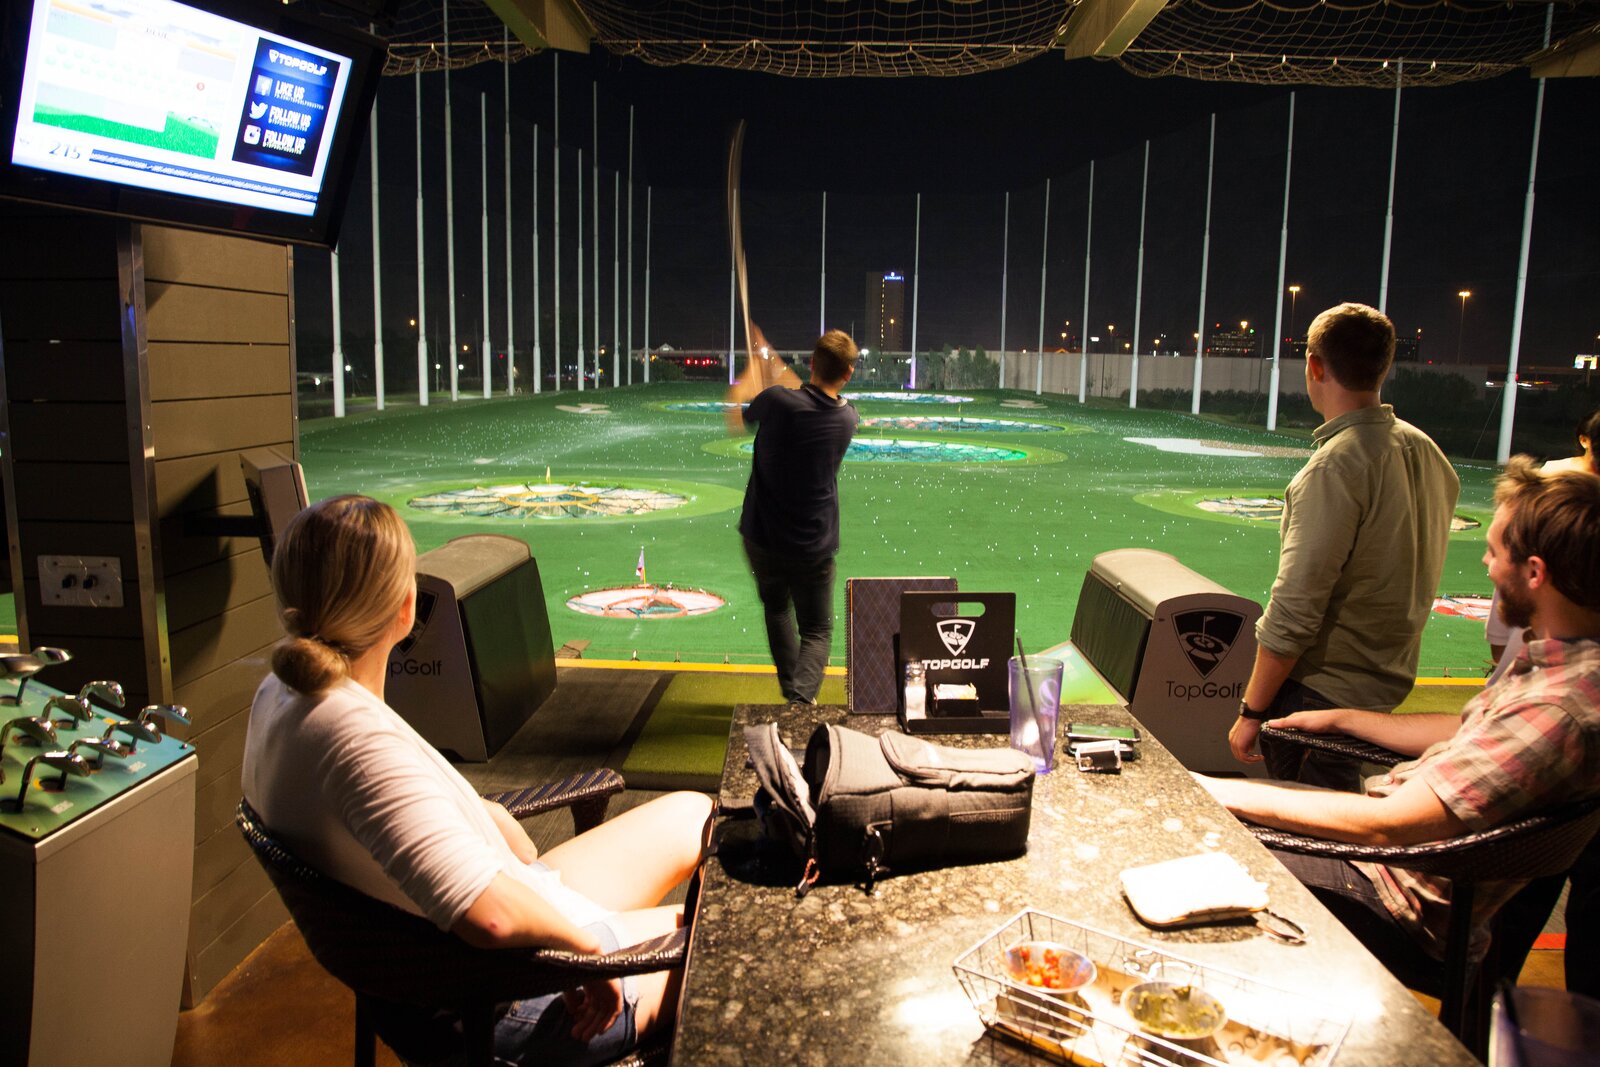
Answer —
870 805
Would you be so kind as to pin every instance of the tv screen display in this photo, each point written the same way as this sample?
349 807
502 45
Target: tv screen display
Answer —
213 114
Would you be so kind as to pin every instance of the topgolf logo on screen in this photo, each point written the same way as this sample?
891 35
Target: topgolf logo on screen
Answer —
956 633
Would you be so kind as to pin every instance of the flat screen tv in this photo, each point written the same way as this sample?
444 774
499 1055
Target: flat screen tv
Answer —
215 114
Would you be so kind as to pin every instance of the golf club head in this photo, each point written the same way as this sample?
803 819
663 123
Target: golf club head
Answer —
49 655
20 665
101 748
77 709
65 762
41 730
108 691
162 716
135 730
18 668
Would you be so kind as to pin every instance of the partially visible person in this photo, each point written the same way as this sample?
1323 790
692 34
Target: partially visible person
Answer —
357 793
1529 743
1366 524
790 522
1588 429
1504 641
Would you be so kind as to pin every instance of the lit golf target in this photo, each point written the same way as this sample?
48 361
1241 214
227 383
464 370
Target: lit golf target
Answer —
911 398
1256 508
548 501
946 424
894 450
1475 608
645 602
1270 509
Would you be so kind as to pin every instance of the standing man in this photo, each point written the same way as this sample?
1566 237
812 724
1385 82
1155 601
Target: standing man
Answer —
790 523
1365 526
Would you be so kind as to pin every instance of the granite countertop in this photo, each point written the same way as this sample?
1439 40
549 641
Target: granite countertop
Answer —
843 977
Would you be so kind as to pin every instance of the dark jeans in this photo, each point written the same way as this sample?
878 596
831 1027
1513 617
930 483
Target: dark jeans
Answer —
1346 892
795 592
1296 763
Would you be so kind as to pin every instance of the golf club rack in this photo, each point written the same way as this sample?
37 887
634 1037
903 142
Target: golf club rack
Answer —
97 814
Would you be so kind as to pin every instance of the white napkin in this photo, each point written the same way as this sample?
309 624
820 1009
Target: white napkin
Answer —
1193 889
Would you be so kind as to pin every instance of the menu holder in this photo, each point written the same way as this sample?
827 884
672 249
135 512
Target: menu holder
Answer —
1090 1028
959 646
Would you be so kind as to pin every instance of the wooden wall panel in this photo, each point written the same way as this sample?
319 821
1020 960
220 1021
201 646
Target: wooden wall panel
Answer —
253 926
221 378
75 492
59 244
220 424
195 596
68 371
212 316
215 261
186 371
69 433
60 310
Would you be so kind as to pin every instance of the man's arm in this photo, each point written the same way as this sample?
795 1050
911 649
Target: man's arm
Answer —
1411 815
1409 735
1266 678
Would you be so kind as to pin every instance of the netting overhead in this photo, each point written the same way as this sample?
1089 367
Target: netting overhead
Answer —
1350 42
1288 42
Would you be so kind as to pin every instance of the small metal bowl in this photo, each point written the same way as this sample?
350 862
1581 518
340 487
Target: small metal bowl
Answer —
1175 1011
1049 967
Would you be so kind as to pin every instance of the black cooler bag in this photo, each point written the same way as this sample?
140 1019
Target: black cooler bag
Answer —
870 805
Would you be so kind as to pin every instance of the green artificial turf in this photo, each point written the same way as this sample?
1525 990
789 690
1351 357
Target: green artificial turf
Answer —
682 745
1031 527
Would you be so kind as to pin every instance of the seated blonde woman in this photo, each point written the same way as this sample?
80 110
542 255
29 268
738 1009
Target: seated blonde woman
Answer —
357 793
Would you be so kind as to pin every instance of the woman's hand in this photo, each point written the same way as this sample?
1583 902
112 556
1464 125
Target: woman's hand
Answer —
594 1006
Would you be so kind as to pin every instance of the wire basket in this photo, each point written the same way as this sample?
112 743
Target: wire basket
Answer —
1090 1027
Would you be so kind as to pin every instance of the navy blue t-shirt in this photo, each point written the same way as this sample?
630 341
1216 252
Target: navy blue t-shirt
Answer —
792 502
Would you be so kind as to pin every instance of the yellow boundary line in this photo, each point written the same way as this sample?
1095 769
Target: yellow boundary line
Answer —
664 665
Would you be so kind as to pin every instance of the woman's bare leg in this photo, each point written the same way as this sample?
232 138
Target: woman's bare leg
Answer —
658 991
633 861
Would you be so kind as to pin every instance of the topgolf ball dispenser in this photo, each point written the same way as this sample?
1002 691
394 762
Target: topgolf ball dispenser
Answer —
1175 645
479 660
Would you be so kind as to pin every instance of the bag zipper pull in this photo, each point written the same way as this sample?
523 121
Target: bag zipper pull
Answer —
808 879
874 857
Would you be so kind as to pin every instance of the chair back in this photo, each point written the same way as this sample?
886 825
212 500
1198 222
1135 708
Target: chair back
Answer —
380 951
1534 846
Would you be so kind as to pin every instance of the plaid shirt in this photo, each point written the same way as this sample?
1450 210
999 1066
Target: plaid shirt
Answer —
1529 742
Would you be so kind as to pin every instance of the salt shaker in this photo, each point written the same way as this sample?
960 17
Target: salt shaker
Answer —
916 689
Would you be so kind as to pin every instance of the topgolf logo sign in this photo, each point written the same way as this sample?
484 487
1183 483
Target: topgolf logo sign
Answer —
956 633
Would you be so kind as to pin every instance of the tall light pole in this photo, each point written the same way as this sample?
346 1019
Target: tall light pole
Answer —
1461 323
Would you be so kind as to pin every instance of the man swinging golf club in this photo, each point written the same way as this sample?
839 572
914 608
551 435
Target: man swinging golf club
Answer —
790 523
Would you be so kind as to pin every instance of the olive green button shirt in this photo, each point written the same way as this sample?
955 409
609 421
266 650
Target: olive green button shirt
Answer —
1365 527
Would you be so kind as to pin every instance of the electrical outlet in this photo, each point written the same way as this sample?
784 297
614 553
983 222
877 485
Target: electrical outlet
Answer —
80 581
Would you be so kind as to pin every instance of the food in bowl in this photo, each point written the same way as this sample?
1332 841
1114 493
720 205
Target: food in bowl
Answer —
1048 966
1179 1011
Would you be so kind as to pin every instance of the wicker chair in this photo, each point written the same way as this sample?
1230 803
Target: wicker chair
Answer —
1533 847
413 981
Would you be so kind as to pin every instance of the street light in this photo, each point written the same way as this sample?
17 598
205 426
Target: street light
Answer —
1461 323
1294 298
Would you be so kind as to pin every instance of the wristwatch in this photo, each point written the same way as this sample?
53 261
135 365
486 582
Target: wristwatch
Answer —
1247 712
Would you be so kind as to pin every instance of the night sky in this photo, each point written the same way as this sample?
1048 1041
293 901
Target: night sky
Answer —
963 143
